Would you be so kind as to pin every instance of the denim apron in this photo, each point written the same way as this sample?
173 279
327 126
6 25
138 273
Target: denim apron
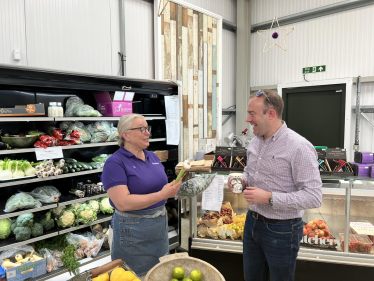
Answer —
140 238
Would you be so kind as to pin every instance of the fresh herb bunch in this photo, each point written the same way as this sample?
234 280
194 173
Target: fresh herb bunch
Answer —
54 243
70 261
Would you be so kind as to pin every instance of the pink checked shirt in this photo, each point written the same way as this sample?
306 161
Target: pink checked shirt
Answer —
286 164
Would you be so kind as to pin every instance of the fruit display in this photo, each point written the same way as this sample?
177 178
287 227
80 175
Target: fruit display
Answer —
357 243
223 225
179 275
316 232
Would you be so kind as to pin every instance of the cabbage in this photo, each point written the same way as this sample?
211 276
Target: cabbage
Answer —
5 228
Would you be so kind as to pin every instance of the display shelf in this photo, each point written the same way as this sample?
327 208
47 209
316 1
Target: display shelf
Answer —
30 180
12 243
62 270
100 218
103 118
78 146
25 119
4 215
71 199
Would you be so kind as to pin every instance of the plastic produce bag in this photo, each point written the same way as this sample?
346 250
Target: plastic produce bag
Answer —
21 200
11 253
64 126
85 110
85 245
99 137
113 134
101 158
46 194
195 186
78 126
71 104
51 261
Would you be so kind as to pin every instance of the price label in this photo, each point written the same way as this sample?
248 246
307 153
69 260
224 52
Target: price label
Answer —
49 153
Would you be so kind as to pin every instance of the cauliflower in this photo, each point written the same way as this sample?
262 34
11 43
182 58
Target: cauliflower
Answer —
22 233
105 206
25 220
67 219
37 230
47 221
58 211
85 214
94 204
76 206
5 228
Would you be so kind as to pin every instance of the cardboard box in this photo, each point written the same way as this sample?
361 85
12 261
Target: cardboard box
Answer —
23 110
27 270
336 154
225 153
321 152
114 104
239 158
162 154
207 145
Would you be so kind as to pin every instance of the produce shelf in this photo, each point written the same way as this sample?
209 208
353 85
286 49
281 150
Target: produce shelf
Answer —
11 242
27 119
100 218
49 275
71 199
4 215
18 182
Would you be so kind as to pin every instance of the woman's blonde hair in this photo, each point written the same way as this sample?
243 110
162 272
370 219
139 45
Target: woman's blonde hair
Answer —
124 125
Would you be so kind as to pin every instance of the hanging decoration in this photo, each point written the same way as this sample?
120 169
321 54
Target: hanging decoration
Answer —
274 35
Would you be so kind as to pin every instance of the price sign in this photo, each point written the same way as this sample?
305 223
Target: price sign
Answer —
49 153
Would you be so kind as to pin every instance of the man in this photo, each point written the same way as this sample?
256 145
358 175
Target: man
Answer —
281 180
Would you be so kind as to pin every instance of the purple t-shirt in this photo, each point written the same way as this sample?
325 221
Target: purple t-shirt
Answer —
124 168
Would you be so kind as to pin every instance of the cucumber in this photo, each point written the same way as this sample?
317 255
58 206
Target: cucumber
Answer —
74 166
72 170
77 169
69 166
70 160
84 166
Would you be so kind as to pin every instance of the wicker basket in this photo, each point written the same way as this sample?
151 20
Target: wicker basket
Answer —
164 270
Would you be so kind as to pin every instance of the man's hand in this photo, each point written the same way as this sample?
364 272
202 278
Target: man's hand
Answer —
230 185
256 196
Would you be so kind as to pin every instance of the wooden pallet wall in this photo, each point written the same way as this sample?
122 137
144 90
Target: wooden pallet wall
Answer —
190 56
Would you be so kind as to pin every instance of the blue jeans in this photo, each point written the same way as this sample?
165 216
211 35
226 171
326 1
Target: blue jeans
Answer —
271 248
140 241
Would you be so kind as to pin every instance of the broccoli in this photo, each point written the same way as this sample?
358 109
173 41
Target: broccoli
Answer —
13 225
47 221
105 206
67 219
37 229
58 211
22 233
25 220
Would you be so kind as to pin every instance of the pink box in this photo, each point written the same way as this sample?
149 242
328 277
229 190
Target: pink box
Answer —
117 104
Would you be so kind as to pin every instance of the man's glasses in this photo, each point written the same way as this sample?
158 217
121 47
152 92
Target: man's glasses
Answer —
261 92
142 129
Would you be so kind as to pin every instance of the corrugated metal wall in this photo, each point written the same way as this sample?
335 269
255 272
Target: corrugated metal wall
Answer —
12 31
343 42
264 10
366 135
224 8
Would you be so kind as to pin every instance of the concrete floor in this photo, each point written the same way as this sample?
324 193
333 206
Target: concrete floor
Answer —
185 232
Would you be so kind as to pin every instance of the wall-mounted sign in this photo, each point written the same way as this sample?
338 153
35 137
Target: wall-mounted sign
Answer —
314 69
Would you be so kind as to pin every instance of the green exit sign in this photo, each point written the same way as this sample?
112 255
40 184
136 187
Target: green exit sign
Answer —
314 69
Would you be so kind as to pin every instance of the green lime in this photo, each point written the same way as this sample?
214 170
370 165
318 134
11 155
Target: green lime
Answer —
178 273
186 279
196 275
174 279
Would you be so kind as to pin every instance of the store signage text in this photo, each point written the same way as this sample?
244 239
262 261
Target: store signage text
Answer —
314 69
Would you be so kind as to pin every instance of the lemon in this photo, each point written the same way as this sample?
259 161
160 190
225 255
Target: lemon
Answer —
196 275
128 276
178 273
117 274
103 277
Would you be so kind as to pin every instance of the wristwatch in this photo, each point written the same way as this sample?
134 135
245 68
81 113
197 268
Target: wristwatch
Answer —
271 201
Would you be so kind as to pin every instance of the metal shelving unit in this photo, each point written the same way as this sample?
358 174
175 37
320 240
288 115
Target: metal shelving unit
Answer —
29 180
71 229
103 118
26 119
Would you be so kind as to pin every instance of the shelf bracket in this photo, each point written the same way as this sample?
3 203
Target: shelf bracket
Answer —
230 112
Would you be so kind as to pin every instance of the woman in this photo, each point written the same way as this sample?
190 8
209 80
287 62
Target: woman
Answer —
137 186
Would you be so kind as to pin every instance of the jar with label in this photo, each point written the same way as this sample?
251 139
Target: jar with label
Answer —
60 110
51 109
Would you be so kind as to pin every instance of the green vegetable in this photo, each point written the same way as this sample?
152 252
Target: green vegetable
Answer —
67 219
70 160
25 220
85 214
28 169
105 206
5 228
58 211
13 225
58 243
101 157
37 230
21 201
180 175
75 206
22 233
70 261
47 221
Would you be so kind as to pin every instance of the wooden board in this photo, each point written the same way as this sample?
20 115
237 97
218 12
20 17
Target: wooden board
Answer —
167 54
210 76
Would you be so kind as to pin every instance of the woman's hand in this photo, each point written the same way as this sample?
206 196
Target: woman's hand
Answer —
170 190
